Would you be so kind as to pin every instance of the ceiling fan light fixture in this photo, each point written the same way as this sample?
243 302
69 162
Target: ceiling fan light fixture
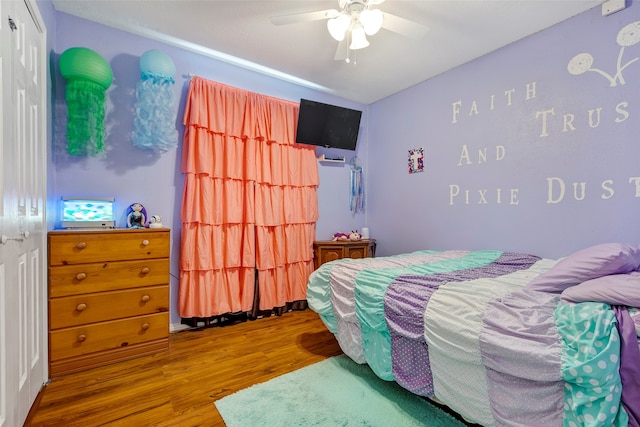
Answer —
358 38
371 20
338 26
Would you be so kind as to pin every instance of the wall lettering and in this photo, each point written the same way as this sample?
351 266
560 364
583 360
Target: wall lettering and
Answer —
549 121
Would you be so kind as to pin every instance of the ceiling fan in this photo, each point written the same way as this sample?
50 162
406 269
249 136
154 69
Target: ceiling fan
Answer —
355 20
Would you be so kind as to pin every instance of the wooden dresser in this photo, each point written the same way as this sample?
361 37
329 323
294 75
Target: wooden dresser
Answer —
108 296
325 251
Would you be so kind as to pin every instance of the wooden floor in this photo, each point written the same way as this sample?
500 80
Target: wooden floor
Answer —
178 387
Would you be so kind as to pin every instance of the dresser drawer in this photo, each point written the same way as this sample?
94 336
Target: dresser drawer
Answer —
65 280
81 340
77 248
99 307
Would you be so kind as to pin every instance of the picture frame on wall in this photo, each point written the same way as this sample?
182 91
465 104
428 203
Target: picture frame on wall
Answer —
416 160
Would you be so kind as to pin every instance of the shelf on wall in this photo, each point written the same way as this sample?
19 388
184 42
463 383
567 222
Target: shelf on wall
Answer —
322 158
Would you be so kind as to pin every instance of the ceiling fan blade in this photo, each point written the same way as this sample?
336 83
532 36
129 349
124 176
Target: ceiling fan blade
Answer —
304 17
404 26
342 51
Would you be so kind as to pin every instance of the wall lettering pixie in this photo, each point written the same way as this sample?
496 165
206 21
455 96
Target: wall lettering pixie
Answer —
546 121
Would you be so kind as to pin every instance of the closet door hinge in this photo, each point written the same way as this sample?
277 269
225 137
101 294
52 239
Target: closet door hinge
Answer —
12 24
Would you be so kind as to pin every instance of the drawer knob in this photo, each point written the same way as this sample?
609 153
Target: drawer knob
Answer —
145 326
81 338
145 298
81 245
81 276
145 270
145 242
81 307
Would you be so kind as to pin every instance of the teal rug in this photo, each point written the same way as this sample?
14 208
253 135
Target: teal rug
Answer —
334 392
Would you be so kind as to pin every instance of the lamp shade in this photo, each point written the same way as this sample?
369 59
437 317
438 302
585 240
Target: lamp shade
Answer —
80 63
371 21
157 62
338 26
358 38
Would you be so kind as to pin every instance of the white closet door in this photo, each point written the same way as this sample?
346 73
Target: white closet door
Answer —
23 342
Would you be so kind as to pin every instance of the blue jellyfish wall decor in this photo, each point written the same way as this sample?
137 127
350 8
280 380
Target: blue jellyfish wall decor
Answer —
156 109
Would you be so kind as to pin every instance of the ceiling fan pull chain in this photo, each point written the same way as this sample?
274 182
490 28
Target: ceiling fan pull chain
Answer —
346 45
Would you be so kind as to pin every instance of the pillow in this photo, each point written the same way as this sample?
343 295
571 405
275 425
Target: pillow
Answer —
617 289
586 264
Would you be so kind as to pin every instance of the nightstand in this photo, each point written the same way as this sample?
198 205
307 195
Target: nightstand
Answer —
325 251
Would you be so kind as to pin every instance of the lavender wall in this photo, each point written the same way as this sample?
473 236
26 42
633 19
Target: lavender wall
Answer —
506 139
133 175
503 137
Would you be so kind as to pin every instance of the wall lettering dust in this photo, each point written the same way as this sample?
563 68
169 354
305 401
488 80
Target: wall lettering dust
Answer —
549 121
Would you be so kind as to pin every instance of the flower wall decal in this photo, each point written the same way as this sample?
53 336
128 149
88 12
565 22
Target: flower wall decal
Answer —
628 36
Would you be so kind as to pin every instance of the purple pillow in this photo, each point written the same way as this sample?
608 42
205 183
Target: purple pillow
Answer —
617 289
586 264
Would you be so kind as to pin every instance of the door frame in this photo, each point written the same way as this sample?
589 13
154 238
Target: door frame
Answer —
24 370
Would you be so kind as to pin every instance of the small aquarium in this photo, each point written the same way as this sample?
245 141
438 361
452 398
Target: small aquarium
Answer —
88 212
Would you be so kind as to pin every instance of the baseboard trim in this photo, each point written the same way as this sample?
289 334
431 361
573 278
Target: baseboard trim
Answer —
178 327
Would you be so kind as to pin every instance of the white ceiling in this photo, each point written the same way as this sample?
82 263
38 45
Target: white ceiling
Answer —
241 32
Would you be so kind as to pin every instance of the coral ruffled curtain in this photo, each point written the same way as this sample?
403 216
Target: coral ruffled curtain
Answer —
250 202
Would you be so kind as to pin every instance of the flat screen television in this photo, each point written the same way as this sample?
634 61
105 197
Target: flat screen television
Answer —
88 212
327 125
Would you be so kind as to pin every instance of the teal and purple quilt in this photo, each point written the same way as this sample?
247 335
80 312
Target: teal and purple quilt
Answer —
462 327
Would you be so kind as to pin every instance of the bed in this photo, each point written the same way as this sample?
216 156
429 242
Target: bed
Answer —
501 338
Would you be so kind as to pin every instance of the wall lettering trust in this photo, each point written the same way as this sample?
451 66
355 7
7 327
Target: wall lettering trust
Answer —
549 120
546 121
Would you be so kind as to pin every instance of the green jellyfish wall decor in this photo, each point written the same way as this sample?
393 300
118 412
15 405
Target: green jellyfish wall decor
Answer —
156 109
88 77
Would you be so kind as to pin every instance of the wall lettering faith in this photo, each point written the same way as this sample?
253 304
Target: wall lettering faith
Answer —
545 122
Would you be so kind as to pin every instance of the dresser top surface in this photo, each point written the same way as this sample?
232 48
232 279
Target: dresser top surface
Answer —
108 230
343 242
